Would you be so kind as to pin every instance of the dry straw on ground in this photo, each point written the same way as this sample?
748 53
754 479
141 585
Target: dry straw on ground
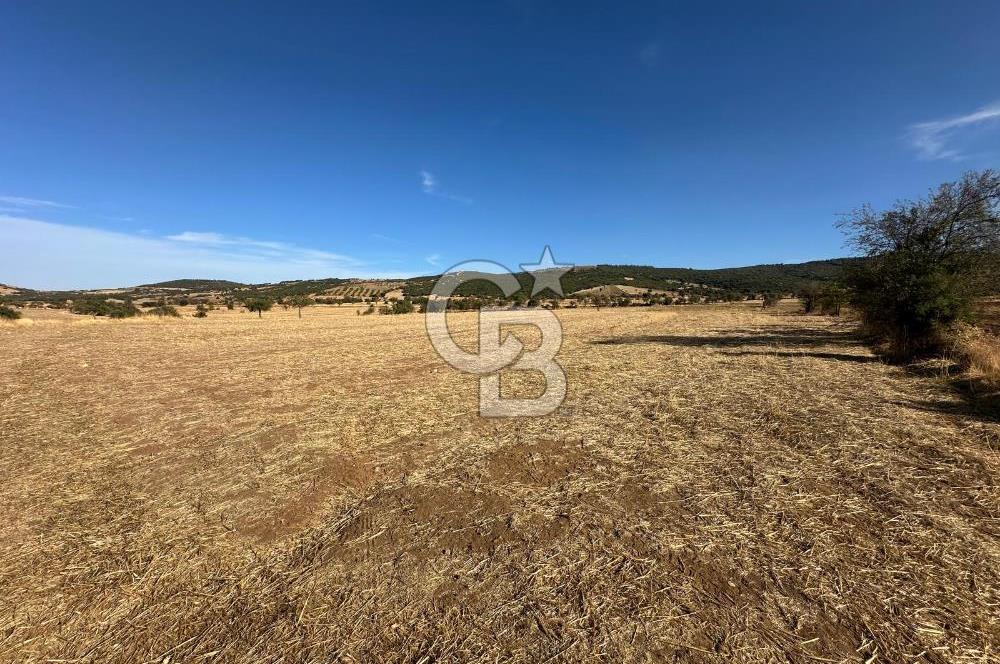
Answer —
721 485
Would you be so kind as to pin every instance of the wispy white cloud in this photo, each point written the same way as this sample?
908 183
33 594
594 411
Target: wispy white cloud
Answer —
248 246
41 254
22 202
433 259
935 139
429 183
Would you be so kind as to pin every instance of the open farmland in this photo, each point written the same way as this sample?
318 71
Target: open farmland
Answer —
722 484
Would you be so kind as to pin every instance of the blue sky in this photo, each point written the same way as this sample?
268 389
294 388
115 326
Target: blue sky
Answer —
282 141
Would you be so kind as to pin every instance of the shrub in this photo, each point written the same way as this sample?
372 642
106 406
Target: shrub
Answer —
9 313
771 300
164 309
404 306
201 311
111 309
927 260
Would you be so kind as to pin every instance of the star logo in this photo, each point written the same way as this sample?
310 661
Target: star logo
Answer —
546 273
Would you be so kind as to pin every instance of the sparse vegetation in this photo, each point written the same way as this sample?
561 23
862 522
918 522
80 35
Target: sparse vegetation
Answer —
771 300
9 313
163 309
827 299
927 260
404 306
111 308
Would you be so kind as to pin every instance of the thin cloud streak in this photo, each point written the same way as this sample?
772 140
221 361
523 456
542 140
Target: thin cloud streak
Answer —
48 255
931 139
429 184
23 202
258 247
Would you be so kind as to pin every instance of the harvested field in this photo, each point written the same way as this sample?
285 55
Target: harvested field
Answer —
722 484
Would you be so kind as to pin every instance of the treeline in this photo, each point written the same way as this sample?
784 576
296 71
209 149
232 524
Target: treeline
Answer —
739 282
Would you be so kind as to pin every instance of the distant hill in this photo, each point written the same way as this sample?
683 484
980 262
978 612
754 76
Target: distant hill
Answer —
778 277
196 285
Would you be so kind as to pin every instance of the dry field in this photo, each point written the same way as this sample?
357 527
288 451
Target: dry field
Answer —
721 485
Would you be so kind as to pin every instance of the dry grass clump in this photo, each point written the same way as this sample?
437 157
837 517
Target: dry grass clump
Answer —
979 352
721 485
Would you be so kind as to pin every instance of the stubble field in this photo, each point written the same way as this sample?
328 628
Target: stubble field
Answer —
721 484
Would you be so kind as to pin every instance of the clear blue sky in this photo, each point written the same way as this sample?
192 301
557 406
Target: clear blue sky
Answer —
147 141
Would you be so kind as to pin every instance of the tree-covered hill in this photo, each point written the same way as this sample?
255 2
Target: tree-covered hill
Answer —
780 277
195 285
753 279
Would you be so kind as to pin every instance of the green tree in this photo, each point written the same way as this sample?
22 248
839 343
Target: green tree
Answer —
258 304
300 301
926 260
809 297
832 297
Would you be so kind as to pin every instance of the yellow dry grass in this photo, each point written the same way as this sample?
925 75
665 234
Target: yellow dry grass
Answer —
980 353
722 484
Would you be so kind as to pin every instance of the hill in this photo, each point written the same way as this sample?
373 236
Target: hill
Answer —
779 277
195 285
